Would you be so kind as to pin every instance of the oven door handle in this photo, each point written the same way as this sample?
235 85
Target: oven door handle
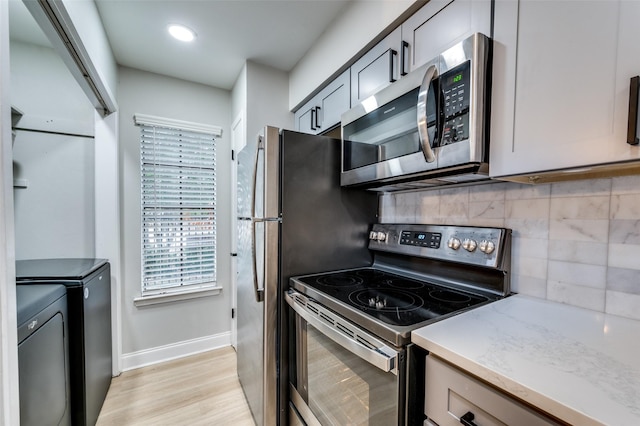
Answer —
423 133
381 356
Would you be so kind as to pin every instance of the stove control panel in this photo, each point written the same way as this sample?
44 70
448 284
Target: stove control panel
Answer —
465 244
421 239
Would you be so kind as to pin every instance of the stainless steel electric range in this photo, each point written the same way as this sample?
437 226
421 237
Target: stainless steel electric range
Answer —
351 356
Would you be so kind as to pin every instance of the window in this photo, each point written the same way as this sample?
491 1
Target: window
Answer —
178 205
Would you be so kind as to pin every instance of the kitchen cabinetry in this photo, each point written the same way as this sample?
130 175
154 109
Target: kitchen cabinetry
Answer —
440 24
379 67
452 396
561 85
432 29
323 111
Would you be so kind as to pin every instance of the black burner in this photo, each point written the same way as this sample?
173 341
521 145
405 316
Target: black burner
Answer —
386 300
387 297
340 280
403 283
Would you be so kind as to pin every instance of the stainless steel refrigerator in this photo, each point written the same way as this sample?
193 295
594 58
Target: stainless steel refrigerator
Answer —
293 219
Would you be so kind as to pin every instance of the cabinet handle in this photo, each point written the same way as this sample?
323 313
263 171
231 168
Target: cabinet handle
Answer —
404 50
467 419
313 119
392 55
316 118
632 129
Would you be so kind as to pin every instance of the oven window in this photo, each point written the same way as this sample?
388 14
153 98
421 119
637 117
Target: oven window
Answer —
343 389
388 132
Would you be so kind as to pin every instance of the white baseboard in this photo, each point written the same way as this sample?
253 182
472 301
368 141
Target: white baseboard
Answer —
152 356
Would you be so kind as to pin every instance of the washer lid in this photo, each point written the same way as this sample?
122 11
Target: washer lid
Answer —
56 269
32 299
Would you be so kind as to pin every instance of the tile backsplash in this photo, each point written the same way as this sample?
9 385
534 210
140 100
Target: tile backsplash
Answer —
573 242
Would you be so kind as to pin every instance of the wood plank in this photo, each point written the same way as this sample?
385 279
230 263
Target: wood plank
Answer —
201 389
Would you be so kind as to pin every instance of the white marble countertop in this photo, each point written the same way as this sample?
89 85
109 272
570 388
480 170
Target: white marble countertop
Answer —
580 366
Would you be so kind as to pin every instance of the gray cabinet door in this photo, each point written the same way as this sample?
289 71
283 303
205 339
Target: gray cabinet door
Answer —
377 68
561 87
442 23
325 109
304 118
334 100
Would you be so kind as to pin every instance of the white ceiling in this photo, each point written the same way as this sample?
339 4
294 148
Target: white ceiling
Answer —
271 32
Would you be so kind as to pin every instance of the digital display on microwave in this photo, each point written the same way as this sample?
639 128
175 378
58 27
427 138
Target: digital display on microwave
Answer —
456 78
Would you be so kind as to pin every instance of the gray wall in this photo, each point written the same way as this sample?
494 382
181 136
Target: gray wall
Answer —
146 328
54 214
573 242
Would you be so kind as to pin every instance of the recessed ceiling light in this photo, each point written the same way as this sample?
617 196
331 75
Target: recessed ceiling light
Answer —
181 32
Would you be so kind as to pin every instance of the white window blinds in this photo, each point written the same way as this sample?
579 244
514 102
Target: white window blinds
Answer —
178 200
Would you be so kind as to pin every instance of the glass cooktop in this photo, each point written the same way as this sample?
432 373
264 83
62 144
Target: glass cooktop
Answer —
390 298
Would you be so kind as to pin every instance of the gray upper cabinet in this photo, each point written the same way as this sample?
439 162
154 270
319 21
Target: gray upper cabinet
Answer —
324 110
379 67
440 24
561 85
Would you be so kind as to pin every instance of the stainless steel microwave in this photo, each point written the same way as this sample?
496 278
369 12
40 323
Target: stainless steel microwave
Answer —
427 129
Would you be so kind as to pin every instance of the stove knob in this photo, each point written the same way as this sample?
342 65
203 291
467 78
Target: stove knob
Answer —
373 235
487 246
382 237
469 244
453 243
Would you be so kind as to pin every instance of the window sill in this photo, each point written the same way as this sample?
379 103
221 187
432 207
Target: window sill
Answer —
176 297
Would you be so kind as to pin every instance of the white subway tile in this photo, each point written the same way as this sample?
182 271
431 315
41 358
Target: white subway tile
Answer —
529 228
516 191
593 230
583 188
623 304
625 185
531 286
625 206
527 209
487 209
624 231
578 251
580 208
624 256
492 192
576 295
577 273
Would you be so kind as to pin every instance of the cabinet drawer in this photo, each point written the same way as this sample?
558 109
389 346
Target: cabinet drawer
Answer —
451 394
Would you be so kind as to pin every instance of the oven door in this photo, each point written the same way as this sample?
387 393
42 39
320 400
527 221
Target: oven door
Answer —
341 375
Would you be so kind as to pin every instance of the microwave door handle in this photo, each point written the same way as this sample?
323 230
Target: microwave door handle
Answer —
425 143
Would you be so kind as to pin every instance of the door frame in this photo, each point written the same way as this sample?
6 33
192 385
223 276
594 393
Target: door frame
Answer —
237 143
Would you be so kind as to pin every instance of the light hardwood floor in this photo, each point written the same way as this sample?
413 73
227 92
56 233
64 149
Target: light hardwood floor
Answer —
199 390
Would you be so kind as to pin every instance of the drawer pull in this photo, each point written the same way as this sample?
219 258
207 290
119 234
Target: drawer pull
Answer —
467 419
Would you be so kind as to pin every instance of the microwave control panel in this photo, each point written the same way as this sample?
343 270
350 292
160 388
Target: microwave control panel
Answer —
455 88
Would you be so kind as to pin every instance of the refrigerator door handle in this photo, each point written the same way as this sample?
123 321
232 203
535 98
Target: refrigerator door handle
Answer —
259 292
255 176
